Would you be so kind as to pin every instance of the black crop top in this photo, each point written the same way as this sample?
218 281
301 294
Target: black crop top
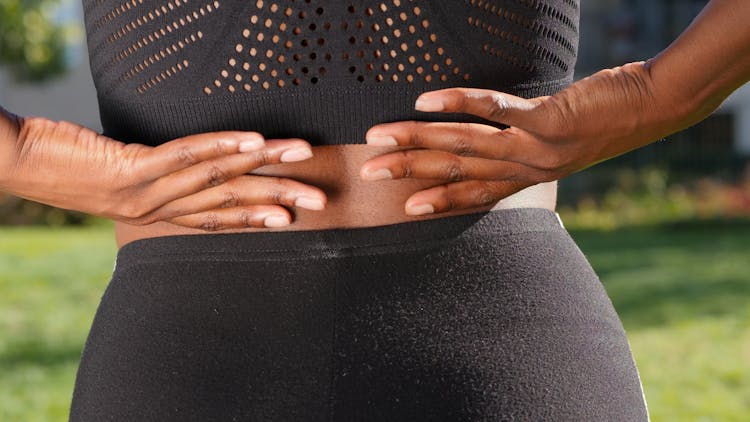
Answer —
322 70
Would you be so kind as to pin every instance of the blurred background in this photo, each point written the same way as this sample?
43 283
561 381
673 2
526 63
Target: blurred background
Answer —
666 227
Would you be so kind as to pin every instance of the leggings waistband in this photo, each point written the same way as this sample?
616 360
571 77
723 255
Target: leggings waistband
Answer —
341 241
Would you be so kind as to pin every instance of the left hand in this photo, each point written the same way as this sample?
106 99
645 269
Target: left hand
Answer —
474 159
596 118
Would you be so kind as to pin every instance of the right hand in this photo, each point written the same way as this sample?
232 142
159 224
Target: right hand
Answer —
196 181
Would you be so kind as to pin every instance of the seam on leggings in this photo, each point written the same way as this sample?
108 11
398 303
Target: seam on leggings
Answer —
315 254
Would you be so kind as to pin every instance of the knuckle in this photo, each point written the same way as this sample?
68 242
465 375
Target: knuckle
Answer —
219 147
210 222
407 171
450 204
485 196
407 161
276 196
186 156
462 101
263 157
462 147
497 107
453 171
131 210
216 176
417 138
231 199
133 152
462 143
130 165
246 218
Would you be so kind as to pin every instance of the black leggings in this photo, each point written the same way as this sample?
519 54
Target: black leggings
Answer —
478 317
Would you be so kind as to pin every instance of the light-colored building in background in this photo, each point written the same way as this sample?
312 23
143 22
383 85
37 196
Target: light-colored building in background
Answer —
739 105
612 32
71 97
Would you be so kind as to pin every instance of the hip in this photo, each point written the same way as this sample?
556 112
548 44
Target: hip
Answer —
482 316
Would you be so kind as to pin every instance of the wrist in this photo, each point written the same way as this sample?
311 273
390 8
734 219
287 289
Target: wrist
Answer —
618 107
670 104
681 103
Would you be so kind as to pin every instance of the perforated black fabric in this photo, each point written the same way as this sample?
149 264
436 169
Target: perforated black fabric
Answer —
322 70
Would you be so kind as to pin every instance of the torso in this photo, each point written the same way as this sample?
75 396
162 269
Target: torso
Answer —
323 71
352 202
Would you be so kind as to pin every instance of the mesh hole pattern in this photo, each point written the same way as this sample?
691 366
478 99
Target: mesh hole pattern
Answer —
273 44
150 38
503 26
296 43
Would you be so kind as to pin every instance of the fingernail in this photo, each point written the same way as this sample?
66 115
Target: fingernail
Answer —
378 174
296 154
381 140
276 221
427 103
420 209
309 203
251 144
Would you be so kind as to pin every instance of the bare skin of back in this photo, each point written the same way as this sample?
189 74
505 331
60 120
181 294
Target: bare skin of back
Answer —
351 201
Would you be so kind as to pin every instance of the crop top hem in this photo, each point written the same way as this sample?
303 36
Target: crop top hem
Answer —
273 114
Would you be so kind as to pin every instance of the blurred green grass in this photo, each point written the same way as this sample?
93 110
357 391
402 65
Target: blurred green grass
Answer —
682 291
51 280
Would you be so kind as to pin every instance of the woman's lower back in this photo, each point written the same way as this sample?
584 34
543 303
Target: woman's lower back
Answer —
352 202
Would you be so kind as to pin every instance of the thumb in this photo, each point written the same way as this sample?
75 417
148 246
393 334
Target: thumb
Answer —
488 104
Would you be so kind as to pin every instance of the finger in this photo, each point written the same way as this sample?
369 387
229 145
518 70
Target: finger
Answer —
465 139
212 173
243 191
190 150
237 217
486 103
461 195
433 164
470 140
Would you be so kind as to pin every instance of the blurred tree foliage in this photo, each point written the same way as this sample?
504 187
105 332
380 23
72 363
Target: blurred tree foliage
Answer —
32 44
19 211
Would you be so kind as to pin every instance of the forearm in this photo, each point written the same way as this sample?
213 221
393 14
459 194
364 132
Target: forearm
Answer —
596 118
617 110
706 63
